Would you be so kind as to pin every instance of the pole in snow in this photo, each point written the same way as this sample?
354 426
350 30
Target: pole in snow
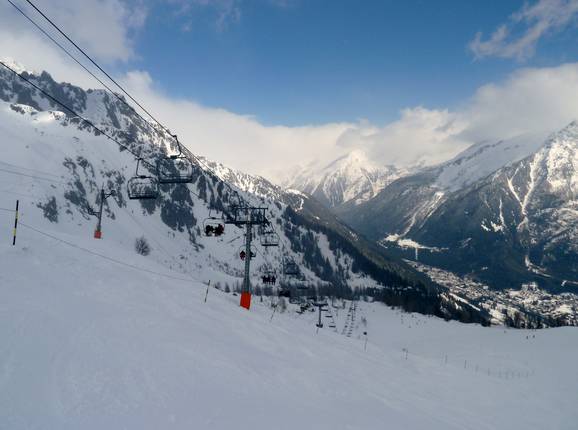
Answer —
320 307
207 292
15 224
103 197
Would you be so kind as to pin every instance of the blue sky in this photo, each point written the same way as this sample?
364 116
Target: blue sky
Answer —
312 62
268 85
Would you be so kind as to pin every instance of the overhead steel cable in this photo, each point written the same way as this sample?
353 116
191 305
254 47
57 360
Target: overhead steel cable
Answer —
21 194
68 108
122 263
28 168
93 62
31 176
119 98
64 49
201 163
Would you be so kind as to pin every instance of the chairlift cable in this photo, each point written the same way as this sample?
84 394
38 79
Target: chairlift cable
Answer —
140 269
167 130
93 62
90 123
201 163
68 52
32 170
31 176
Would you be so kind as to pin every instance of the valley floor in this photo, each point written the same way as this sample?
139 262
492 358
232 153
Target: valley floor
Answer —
87 343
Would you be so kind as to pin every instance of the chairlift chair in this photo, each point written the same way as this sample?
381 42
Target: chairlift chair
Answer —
243 215
269 238
290 268
269 279
243 254
234 201
213 226
142 187
284 292
269 276
176 168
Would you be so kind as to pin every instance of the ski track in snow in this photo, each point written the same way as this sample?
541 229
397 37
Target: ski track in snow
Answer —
98 345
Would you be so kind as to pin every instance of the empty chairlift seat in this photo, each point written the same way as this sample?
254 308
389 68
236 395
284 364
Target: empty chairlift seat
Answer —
290 268
243 215
141 186
175 169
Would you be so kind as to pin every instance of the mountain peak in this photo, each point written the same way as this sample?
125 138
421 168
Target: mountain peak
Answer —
351 177
16 66
568 133
355 157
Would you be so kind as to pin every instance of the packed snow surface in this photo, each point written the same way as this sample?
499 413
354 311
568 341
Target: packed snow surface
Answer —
91 343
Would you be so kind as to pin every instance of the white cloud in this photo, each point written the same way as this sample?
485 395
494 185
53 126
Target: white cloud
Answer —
420 136
226 12
518 37
102 27
529 101
237 140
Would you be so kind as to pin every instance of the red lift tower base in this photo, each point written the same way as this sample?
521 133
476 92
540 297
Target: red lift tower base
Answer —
246 300
97 234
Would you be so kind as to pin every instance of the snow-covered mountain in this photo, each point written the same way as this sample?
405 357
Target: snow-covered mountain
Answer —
505 213
252 184
351 178
56 164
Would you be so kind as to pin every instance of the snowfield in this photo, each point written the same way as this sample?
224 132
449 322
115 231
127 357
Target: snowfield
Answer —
90 343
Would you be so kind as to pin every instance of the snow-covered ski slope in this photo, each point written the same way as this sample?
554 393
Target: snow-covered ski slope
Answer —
90 343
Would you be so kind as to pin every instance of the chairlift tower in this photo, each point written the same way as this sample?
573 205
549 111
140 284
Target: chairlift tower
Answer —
246 291
320 306
247 217
98 215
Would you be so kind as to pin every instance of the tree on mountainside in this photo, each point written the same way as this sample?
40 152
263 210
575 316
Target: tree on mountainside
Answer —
142 246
